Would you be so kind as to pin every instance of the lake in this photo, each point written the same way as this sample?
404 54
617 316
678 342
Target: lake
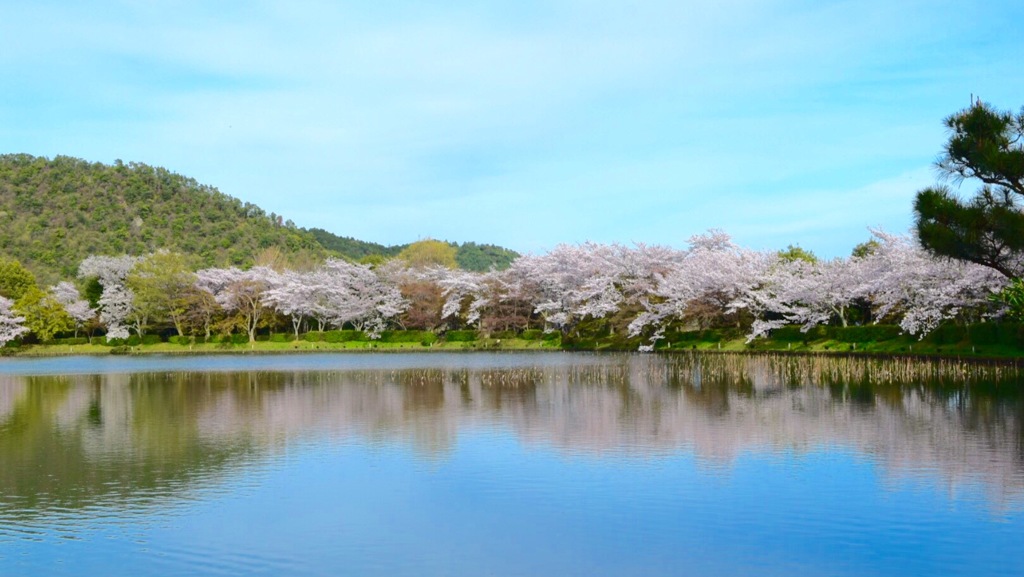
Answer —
510 464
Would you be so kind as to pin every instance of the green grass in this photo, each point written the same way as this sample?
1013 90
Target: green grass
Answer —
899 346
279 347
949 343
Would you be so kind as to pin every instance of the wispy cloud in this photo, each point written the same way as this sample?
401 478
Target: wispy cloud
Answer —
525 124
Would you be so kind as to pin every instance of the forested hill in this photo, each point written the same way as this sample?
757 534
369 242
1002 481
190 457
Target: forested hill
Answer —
54 213
468 255
353 248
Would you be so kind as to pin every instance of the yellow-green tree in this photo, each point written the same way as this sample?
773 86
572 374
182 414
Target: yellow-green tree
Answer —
795 253
15 279
44 315
429 252
161 283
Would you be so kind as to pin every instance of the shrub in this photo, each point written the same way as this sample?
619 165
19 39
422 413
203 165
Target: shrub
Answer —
984 333
789 333
1015 335
397 336
282 337
133 341
71 341
532 334
681 336
579 344
819 333
151 339
313 337
865 334
947 334
460 336
343 336
406 336
239 338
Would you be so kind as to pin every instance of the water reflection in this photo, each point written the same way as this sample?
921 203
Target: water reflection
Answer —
74 441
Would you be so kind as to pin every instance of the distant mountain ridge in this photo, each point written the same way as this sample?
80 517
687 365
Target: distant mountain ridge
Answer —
56 212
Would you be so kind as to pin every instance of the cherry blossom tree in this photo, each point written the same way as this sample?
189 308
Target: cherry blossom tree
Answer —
923 290
572 282
806 292
77 308
115 303
354 294
424 298
300 297
504 302
10 323
714 272
899 279
827 289
240 292
200 311
338 293
464 293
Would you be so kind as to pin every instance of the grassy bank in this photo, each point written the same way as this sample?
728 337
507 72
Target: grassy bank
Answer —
984 340
315 342
988 340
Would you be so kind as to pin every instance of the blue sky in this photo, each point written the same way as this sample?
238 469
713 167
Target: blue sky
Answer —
525 124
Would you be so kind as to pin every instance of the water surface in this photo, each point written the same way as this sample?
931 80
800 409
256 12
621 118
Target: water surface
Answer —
509 464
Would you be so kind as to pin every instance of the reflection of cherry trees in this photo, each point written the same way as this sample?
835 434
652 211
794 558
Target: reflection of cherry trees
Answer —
716 407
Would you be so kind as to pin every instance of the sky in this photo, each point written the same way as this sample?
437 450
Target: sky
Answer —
524 124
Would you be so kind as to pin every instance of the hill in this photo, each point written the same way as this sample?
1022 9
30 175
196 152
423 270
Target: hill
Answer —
54 213
481 257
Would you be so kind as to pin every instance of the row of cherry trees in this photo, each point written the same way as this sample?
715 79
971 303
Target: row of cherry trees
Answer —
638 291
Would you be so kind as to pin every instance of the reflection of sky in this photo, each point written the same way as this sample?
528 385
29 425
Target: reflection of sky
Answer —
495 507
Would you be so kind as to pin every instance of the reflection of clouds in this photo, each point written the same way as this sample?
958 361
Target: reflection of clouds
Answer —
718 407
